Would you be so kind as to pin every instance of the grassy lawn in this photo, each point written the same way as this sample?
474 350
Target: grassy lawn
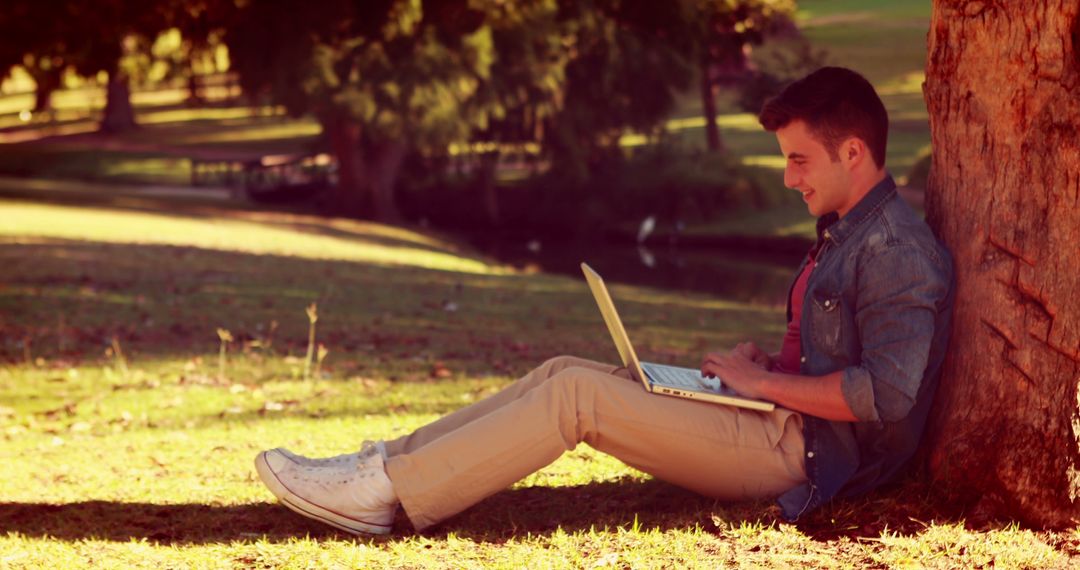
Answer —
127 439
127 442
159 152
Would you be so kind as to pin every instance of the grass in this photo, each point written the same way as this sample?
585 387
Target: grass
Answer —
142 457
160 151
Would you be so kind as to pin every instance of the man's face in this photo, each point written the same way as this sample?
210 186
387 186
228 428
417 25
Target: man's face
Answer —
824 183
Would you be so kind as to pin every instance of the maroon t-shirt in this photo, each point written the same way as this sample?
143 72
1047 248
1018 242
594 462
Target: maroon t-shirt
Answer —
791 350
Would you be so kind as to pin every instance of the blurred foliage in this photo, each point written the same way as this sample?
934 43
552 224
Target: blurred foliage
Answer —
382 77
919 173
663 180
395 77
110 38
785 61
387 79
672 185
628 61
723 33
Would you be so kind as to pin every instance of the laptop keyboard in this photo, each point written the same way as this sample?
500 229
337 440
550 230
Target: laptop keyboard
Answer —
674 376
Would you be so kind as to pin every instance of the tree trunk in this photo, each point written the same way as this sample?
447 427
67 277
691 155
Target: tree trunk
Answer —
708 104
119 115
195 96
383 167
489 190
1004 195
47 80
350 196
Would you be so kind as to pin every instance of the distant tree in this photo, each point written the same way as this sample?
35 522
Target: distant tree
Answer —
382 77
522 90
201 25
33 33
724 31
90 36
575 76
1004 195
11 51
102 32
389 77
627 63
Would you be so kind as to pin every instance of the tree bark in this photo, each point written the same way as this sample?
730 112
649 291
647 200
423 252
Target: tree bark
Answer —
195 95
119 114
47 80
486 180
350 196
708 105
383 167
1004 195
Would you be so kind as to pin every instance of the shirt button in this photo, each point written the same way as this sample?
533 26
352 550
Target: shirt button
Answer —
827 302
810 454
802 359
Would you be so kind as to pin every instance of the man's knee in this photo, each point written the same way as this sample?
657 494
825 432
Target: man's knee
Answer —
575 382
559 363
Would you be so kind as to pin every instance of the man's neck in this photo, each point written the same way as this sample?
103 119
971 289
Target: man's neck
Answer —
862 184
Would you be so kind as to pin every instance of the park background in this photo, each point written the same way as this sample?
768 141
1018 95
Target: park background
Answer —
173 300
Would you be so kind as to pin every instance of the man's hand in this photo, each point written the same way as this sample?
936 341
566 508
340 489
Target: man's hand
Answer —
744 370
737 370
755 354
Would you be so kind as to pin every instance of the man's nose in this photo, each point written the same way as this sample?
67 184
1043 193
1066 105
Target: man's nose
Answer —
791 178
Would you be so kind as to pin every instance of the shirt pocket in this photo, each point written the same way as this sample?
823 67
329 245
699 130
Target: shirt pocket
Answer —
826 322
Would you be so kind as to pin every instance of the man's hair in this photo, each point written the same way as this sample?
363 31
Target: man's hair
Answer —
835 103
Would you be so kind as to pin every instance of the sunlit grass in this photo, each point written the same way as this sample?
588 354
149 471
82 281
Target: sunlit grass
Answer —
145 460
734 121
82 99
92 97
170 170
25 221
181 115
287 130
876 9
773 161
951 545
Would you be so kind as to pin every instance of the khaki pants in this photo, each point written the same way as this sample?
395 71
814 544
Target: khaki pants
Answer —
719 451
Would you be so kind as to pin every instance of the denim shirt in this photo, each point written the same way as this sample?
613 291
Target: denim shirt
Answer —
877 307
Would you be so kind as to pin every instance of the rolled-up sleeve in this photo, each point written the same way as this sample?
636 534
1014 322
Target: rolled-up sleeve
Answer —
899 291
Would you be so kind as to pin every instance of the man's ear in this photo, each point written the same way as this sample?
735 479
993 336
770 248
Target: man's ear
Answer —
853 151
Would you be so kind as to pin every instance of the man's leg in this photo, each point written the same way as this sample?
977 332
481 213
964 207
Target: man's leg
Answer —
719 451
460 417
452 421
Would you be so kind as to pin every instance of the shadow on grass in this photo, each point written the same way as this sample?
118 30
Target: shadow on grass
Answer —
512 513
905 507
517 513
163 301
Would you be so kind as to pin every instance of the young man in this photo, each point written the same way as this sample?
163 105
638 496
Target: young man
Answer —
868 323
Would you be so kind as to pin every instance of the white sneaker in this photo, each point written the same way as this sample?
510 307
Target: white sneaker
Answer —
354 500
368 450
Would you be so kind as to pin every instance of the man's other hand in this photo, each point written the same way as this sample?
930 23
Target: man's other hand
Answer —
755 354
736 370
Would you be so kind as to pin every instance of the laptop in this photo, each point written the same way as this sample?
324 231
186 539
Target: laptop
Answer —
659 378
